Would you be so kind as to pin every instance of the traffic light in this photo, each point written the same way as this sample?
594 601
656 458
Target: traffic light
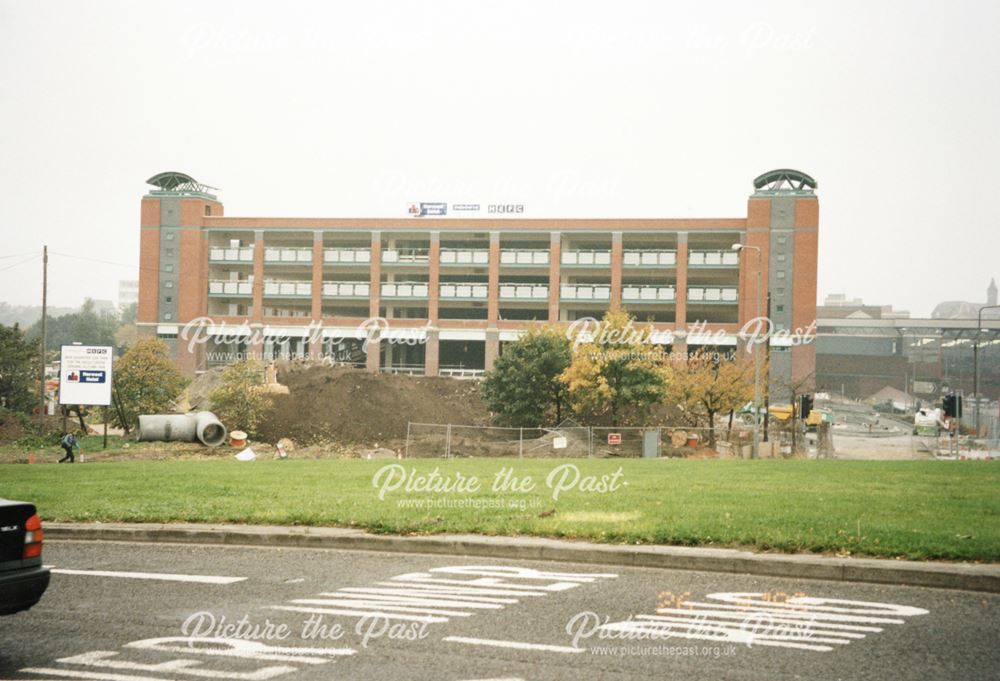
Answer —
952 406
805 405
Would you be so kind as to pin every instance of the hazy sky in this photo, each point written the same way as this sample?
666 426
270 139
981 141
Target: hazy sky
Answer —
576 109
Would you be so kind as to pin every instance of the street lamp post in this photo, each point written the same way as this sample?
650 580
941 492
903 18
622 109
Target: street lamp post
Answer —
756 354
975 361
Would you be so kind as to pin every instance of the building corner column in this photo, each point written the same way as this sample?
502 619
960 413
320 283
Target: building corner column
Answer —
493 296
373 352
375 280
616 270
317 277
432 352
680 291
257 314
555 274
492 350
434 278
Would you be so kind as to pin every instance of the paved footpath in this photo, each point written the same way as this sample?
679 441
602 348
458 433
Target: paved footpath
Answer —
131 611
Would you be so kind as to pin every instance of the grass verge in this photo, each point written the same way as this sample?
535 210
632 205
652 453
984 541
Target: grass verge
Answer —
907 509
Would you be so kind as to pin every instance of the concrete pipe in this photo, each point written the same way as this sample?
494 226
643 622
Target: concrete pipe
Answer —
209 430
202 427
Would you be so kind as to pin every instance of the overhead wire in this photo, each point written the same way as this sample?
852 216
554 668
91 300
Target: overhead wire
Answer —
22 262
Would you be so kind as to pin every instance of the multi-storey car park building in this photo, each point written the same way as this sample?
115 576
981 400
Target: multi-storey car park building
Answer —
460 287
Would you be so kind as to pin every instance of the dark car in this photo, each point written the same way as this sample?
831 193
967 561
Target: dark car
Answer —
23 580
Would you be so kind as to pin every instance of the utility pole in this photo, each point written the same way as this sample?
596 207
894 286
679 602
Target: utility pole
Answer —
45 293
767 391
756 354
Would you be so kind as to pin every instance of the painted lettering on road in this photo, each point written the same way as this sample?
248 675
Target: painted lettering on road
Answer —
800 622
110 665
443 593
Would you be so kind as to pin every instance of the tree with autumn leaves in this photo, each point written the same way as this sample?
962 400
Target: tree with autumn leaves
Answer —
611 372
615 373
706 384
146 381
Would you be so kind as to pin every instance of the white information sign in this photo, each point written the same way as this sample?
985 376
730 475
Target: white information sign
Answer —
85 374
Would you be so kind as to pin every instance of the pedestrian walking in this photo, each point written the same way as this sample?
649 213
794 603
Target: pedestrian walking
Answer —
68 443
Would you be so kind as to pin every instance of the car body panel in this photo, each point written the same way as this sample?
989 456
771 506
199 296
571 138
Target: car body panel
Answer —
22 580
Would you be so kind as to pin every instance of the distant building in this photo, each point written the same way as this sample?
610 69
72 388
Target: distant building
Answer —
962 309
837 306
128 293
103 306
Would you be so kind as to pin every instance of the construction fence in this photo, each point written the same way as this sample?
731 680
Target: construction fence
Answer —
571 440
948 445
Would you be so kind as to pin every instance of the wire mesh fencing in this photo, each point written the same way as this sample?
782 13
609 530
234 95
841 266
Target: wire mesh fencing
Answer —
571 440
428 440
947 444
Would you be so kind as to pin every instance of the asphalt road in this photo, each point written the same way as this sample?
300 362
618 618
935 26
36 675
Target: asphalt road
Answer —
131 612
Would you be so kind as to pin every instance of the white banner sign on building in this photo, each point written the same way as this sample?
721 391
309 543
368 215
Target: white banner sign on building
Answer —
85 374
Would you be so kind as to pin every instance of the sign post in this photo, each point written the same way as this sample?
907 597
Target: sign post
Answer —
85 374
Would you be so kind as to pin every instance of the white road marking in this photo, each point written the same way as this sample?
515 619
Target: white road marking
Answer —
105 658
445 588
408 600
162 576
96 676
425 593
728 631
523 573
811 603
717 633
378 606
801 622
763 618
362 613
241 648
486 582
519 645
426 597
798 613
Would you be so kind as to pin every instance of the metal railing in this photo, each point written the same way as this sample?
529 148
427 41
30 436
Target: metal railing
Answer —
403 290
523 256
299 289
471 291
585 292
714 258
405 256
586 257
276 255
460 372
230 288
524 292
649 258
699 294
405 369
465 256
347 256
643 293
346 289
238 254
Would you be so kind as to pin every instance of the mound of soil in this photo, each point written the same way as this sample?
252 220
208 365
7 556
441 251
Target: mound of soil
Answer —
195 396
337 404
